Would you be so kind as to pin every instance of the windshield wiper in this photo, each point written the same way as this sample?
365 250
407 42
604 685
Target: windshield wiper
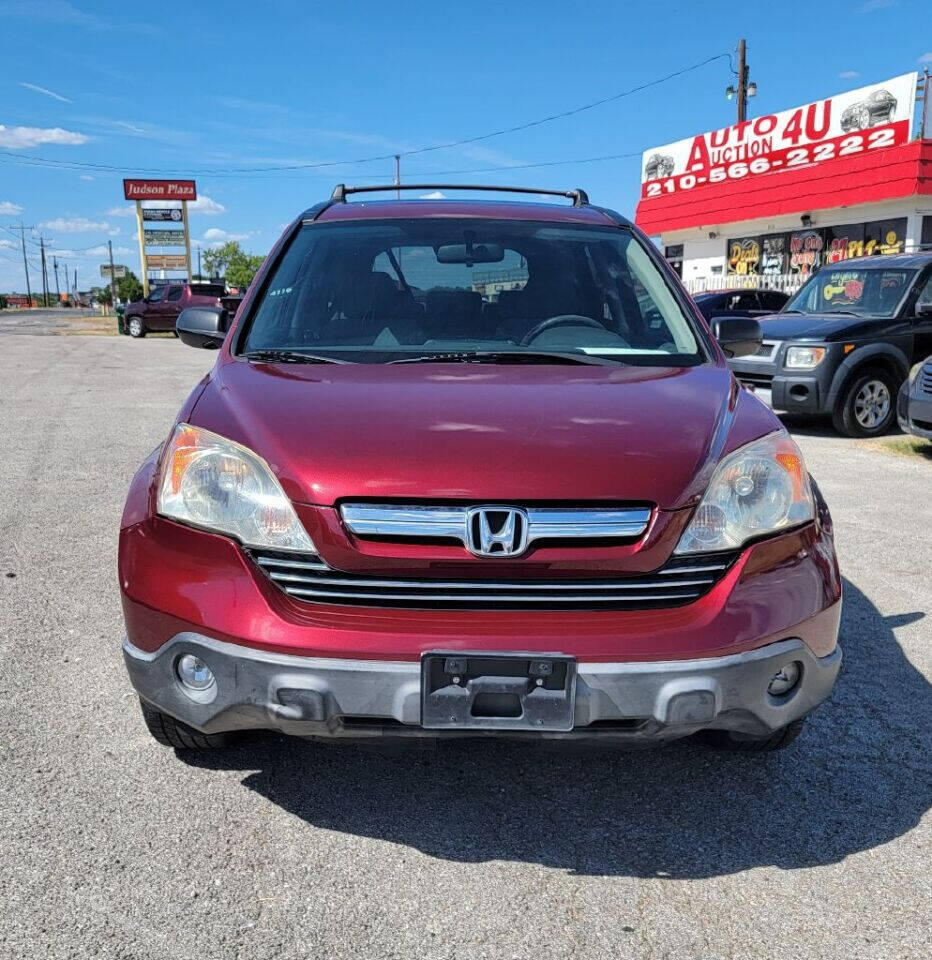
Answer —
506 356
288 356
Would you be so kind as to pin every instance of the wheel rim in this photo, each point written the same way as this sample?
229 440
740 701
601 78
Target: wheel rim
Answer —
872 404
135 327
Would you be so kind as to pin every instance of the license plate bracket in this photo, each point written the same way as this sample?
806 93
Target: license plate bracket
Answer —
486 691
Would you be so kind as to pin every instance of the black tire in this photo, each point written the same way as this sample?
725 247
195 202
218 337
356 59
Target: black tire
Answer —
173 733
862 399
135 327
742 743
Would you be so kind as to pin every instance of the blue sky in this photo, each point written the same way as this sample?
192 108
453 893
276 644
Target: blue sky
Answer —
210 87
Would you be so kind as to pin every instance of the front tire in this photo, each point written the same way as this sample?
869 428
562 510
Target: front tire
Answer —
136 327
867 407
170 732
743 743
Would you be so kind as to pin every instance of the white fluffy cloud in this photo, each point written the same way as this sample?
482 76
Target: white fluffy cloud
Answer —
216 236
9 209
848 74
20 138
926 57
93 253
204 205
76 225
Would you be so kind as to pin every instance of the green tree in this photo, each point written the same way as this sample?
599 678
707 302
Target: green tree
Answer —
217 259
129 287
232 263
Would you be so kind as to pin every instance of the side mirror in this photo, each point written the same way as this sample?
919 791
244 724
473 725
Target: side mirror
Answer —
737 336
924 309
202 327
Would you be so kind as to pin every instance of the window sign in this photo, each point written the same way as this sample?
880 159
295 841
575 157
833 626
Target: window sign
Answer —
806 252
744 256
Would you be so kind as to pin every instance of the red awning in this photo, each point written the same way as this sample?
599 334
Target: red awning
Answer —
902 171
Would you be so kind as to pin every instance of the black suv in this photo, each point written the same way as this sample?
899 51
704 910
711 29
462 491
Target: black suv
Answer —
739 303
846 341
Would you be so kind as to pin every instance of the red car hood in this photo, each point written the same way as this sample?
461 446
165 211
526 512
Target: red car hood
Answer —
480 432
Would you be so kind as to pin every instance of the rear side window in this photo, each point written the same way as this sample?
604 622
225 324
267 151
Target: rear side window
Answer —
375 290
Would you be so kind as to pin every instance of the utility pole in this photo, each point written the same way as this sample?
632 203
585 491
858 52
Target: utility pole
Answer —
22 237
397 175
199 274
112 277
76 286
57 290
926 94
45 275
742 81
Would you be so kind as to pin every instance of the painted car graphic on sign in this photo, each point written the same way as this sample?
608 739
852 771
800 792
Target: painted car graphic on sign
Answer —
878 108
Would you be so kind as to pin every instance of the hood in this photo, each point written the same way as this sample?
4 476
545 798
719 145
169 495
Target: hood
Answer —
817 326
479 432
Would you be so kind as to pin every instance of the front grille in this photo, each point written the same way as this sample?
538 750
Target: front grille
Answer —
763 380
765 351
308 578
925 379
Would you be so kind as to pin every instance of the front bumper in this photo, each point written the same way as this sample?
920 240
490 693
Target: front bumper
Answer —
803 391
918 417
331 697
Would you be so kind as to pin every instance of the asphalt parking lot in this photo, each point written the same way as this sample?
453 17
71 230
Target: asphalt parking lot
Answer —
111 846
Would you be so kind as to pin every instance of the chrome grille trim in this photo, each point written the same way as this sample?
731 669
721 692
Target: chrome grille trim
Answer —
925 378
310 580
765 352
400 522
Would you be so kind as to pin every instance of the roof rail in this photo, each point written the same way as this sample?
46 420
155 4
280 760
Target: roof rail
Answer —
579 197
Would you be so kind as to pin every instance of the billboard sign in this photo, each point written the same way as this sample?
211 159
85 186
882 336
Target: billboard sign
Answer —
162 214
119 271
159 190
165 238
166 261
845 125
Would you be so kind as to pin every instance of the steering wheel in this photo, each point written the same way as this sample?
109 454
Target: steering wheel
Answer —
563 320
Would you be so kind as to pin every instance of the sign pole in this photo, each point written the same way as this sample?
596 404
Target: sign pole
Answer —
113 296
187 237
142 250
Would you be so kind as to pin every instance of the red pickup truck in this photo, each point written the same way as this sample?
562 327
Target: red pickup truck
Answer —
159 311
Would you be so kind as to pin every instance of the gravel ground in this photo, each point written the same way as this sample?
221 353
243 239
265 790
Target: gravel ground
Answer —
56 321
111 846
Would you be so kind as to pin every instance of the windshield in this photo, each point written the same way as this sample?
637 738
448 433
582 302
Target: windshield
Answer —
863 291
378 291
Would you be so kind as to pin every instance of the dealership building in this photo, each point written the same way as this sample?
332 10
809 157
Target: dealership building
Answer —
769 201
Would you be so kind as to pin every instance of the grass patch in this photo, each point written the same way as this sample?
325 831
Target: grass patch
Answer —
901 446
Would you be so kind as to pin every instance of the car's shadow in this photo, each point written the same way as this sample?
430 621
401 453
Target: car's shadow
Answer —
858 777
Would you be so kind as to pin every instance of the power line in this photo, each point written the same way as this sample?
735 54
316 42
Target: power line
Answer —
30 159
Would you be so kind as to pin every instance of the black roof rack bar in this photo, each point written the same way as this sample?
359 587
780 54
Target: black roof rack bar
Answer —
579 197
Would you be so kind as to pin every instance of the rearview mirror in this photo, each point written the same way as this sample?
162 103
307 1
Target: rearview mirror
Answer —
470 253
737 336
202 327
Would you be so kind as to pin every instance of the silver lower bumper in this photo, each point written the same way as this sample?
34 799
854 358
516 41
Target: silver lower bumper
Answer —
310 696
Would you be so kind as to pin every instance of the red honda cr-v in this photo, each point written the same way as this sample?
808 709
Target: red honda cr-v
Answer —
475 468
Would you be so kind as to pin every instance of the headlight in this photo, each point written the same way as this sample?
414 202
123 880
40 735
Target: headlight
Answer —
803 358
219 485
761 488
